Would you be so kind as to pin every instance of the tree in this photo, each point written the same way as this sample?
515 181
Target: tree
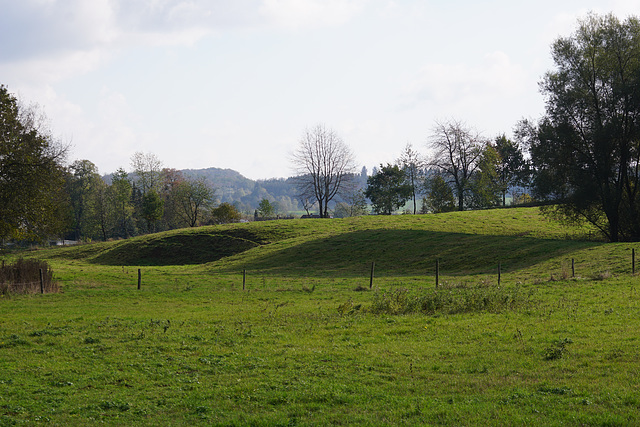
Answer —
193 197
33 203
306 203
485 182
82 184
511 165
412 165
148 170
170 180
225 213
352 204
456 151
388 189
152 209
586 148
439 196
105 214
265 208
120 196
323 166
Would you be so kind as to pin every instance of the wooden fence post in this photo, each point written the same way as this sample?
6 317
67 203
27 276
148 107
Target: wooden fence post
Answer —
499 272
373 266
437 272
41 282
573 267
139 278
244 278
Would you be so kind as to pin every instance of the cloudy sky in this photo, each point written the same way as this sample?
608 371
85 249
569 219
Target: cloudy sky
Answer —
234 83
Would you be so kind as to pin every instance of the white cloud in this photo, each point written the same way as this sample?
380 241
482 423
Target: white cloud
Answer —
462 85
311 13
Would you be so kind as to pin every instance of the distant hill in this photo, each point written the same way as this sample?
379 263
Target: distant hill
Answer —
233 187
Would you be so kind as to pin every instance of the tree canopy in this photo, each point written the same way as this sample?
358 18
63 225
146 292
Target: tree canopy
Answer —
586 148
32 197
388 189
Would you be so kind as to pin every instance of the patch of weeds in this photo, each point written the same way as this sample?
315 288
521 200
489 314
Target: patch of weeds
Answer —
201 410
91 340
615 354
119 406
54 332
349 308
308 289
451 300
557 350
361 288
560 391
12 409
13 341
603 275
61 384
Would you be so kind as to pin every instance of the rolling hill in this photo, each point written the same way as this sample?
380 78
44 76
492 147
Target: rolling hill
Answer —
471 242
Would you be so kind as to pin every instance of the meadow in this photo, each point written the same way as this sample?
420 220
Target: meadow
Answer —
308 342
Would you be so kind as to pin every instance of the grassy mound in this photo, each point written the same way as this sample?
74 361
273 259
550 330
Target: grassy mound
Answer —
465 242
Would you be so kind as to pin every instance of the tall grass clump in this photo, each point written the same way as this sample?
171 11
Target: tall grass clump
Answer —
23 277
450 300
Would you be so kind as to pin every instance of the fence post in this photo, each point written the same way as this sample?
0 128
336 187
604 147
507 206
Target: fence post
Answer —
41 282
373 266
573 267
437 272
499 272
244 278
633 261
139 278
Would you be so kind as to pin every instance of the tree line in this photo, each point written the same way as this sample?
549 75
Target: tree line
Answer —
581 160
465 171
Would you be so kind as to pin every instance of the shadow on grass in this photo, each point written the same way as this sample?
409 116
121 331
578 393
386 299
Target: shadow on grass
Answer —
175 250
405 252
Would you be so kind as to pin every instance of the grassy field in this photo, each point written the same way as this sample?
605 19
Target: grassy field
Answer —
308 343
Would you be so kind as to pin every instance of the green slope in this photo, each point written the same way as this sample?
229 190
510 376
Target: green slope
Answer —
465 242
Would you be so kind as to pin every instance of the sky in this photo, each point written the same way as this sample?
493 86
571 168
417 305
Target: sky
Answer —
235 83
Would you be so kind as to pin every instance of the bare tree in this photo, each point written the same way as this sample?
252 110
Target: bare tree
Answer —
456 150
323 166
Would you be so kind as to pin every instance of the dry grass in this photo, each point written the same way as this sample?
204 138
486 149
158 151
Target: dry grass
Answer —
23 277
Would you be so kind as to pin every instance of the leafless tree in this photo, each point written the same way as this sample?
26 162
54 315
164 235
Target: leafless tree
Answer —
323 166
456 150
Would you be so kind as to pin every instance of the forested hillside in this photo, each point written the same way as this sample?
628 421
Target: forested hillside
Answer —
246 194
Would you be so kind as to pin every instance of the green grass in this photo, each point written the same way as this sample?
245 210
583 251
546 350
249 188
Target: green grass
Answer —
307 342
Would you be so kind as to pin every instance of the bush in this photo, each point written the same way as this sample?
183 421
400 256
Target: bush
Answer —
23 277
